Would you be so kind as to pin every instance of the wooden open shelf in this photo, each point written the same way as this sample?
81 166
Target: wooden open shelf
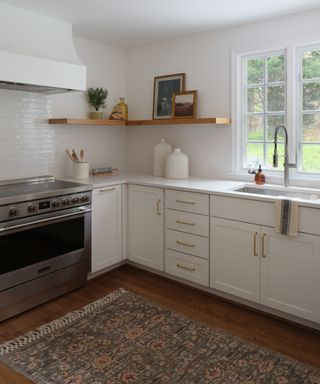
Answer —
203 120
66 121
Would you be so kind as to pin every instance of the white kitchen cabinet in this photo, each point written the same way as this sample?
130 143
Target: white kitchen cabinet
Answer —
290 273
146 226
255 263
106 227
235 258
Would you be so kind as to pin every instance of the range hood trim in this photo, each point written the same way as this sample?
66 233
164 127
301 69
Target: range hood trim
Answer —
34 74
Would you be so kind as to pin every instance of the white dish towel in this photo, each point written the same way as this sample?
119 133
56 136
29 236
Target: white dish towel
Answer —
286 217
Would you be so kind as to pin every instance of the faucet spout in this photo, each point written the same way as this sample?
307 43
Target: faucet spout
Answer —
286 162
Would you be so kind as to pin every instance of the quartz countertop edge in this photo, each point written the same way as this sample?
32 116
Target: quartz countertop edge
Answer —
193 184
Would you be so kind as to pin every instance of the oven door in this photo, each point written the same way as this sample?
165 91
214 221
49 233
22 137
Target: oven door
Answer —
30 249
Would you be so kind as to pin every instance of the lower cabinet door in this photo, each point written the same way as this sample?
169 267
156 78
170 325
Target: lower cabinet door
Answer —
106 227
290 273
187 267
235 258
146 226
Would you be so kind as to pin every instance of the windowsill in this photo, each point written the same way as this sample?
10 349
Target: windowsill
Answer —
277 178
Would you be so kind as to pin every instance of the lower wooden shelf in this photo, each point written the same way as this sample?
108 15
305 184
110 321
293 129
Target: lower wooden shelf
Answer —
202 120
67 121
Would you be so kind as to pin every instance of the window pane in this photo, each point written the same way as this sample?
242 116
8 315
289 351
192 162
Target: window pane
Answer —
255 71
276 68
255 128
311 158
311 127
272 122
255 99
311 64
311 96
254 155
270 150
275 96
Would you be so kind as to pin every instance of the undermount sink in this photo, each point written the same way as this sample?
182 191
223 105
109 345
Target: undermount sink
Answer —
267 191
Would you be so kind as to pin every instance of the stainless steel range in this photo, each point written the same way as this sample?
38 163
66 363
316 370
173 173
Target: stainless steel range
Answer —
45 241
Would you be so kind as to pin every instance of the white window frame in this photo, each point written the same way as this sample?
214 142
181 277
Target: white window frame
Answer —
292 49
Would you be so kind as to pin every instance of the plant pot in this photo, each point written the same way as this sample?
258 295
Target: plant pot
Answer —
96 115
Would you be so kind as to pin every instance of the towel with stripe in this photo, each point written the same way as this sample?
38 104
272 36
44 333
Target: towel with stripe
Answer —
286 217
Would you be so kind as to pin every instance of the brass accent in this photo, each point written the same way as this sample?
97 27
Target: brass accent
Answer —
107 189
186 268
159 207
255 253
186 244
185 202
263 241
185 222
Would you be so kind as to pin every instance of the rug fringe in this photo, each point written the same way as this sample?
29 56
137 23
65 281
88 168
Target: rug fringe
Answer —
69 318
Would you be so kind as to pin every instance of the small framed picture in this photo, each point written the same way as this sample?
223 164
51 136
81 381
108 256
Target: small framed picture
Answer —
185 104
164 88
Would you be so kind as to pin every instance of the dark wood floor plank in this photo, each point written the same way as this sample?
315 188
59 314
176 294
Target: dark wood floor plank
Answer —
298 342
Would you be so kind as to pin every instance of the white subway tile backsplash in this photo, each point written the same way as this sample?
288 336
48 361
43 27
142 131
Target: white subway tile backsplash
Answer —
29 146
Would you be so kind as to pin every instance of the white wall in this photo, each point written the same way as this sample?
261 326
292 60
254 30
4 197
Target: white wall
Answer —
29 146
206 60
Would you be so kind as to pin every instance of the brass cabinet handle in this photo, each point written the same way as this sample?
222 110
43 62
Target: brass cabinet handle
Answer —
185 222
185 202
255 253
159 207
107 189
263 245
185 244
186 268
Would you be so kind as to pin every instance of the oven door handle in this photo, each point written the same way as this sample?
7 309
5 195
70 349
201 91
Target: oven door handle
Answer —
49 219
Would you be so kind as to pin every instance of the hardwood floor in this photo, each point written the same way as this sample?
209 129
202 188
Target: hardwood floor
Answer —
294 341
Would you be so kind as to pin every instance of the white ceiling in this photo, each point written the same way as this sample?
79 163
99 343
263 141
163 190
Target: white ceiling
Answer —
127 23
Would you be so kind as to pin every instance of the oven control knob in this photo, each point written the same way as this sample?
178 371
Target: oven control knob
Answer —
65 202
85 198
56 203
13 212
75 200
31 208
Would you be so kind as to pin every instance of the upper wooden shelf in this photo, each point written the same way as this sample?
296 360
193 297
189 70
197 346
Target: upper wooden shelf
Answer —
203 120
86 122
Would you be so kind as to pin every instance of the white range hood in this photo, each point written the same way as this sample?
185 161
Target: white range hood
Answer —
37 53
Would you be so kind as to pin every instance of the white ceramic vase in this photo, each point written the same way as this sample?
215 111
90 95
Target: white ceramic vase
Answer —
160 153
177 165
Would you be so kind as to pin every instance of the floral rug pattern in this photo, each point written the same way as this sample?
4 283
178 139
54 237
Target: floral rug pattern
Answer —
126 339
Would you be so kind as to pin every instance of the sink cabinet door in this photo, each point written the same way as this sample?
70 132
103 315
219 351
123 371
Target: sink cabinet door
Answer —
290 273
235 258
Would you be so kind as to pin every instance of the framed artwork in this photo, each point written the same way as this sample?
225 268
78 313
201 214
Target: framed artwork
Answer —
184 104
164 88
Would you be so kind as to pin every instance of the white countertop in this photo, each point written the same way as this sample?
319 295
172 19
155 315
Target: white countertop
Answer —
195 184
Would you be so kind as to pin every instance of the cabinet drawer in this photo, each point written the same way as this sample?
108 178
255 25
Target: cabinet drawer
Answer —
187 267
187 243
187 222
187 201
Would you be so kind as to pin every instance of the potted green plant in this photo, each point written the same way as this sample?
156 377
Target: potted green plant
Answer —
97 99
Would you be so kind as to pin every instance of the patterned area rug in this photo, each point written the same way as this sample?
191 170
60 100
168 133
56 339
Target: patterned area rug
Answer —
125 339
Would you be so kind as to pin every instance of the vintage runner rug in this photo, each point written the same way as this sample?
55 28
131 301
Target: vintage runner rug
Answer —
124 338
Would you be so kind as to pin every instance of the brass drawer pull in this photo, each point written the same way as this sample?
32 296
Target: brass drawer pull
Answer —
186 268
107 189
185 202
185 244
159 207
263 245
185 223
255 253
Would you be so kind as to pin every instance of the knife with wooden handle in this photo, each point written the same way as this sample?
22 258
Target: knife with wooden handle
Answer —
75 156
